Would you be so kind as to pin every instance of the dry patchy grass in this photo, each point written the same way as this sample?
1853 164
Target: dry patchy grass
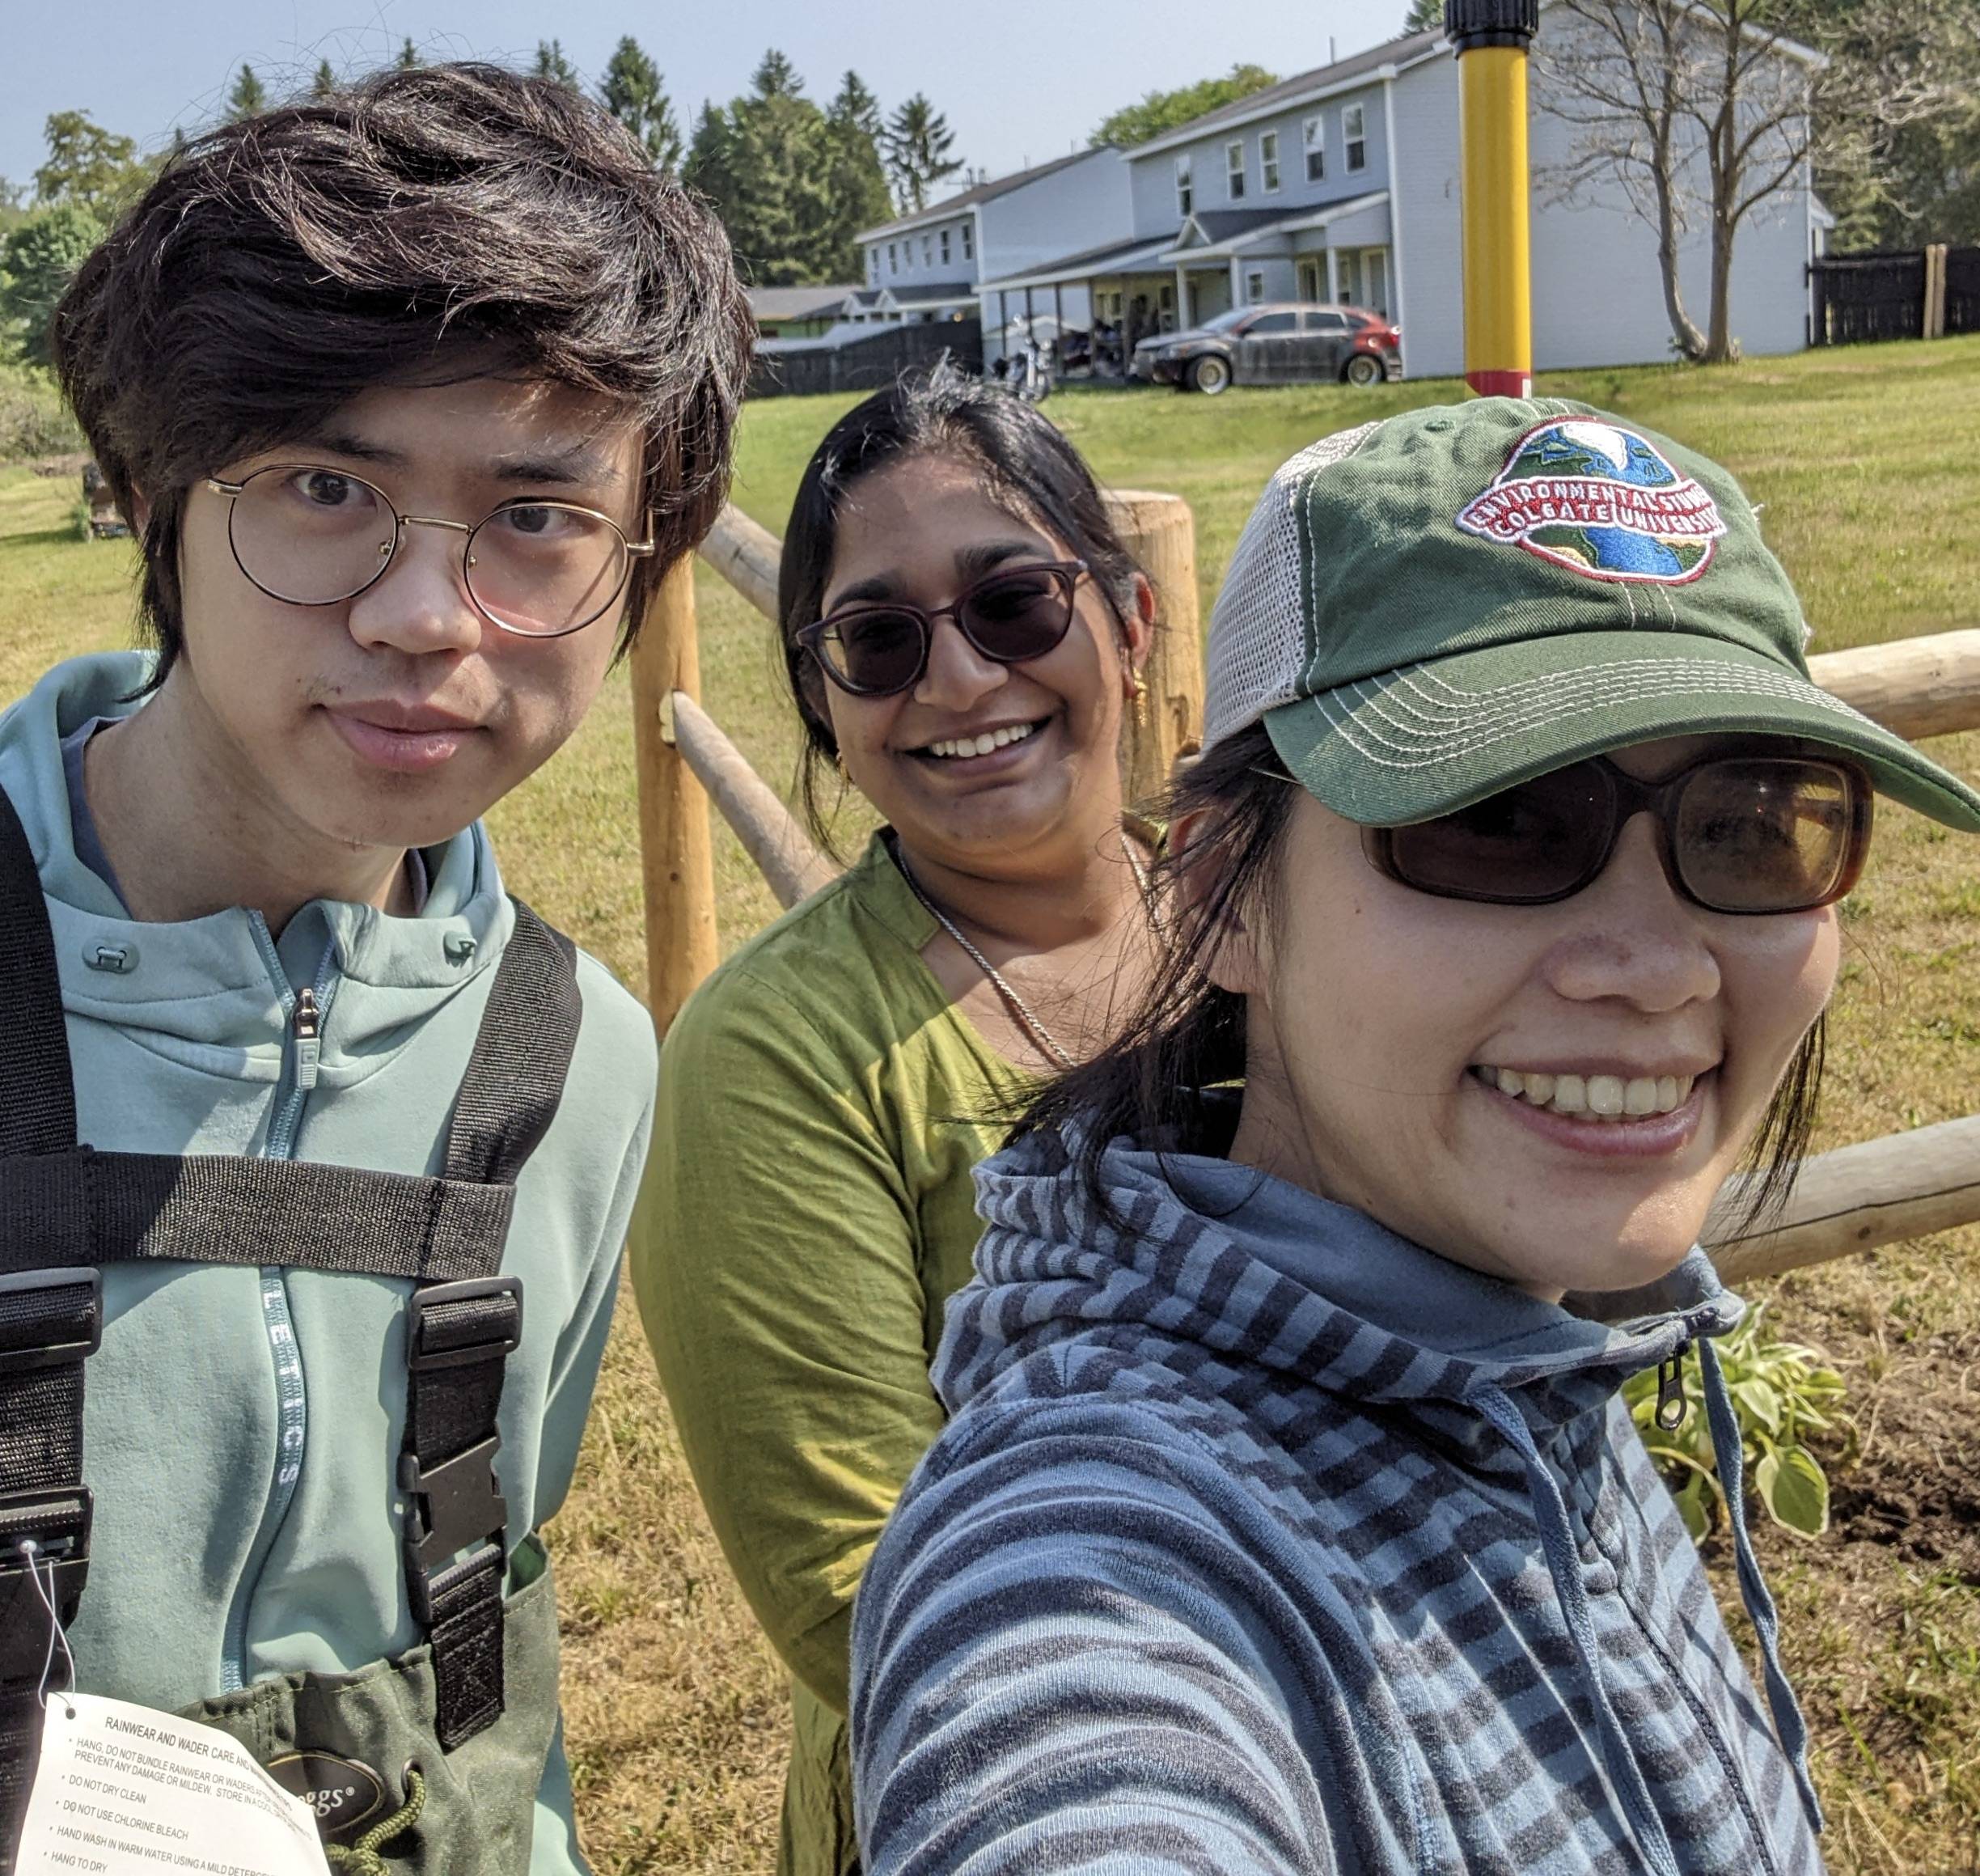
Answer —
674 1706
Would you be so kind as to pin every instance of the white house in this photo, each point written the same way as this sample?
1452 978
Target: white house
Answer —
1343 183
930 265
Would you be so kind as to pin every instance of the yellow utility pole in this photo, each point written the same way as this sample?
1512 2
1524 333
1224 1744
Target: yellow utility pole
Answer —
1492 40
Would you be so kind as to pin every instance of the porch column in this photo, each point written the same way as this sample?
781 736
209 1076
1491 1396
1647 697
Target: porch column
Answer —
1059 319
1186 313
1333 274
1003 325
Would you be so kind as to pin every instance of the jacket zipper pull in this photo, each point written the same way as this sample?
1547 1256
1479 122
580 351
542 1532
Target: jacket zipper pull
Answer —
1671 1405
308 1028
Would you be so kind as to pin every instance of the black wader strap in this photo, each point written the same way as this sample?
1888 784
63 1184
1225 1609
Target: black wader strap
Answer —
458 1335
51 1319
66 1210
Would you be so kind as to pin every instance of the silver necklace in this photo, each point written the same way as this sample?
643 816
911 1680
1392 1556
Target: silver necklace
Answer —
1026 1017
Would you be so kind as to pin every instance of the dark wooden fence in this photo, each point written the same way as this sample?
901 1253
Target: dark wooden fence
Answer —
866 364
1962 289
1921 293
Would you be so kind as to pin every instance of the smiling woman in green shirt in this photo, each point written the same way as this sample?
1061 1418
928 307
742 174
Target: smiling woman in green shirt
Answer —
963 634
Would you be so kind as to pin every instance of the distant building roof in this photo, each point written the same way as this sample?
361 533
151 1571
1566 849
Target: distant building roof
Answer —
1089 264
1403 51
772 304
984 192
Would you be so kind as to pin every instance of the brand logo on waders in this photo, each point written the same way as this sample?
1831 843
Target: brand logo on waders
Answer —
342 1792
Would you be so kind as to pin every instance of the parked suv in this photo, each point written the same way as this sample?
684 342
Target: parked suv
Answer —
1279 344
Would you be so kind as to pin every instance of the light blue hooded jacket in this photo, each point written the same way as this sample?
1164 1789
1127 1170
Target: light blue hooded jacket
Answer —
1264 1543
248 1522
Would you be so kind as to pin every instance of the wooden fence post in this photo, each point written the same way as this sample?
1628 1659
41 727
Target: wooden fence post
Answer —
1159 532
676 853
1933 326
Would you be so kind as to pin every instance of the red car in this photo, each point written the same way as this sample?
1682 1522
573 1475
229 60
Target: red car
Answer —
1274 344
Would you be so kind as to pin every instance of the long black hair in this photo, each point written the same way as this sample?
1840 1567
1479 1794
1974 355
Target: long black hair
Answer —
1188 1034
1026 466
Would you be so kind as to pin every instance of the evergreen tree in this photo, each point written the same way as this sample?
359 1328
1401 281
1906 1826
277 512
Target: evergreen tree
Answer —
781 216
408 55
857 183
632 92
1424 16
918 142
776 77
550 63
709 167
325 84
248 97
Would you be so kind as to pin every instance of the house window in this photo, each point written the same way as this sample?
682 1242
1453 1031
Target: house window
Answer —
873 264
969 242
1186 196
1355 135
1312 133
944 241
1268 161
893 258
927 250
1234 169
1255 286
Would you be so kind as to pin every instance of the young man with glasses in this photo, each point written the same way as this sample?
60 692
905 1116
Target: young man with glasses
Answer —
317 1149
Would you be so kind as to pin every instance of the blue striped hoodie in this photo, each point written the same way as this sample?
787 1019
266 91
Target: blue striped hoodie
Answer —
1263 1541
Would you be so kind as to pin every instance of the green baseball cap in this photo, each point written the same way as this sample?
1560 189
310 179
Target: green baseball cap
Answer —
1430 608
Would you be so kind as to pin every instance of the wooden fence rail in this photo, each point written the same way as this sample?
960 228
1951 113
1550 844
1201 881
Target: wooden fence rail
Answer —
1906 1185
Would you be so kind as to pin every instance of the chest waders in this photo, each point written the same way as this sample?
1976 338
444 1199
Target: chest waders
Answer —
473 1706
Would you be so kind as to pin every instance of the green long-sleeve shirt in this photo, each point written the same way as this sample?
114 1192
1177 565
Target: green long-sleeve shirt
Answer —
807 1211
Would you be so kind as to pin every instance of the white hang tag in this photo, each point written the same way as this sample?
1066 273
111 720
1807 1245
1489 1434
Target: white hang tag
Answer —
122 1790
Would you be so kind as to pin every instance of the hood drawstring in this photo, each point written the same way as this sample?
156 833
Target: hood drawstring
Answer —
1728 1452
1563 1561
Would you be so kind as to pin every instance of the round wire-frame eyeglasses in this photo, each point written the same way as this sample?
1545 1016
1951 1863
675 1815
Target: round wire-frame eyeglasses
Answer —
626 550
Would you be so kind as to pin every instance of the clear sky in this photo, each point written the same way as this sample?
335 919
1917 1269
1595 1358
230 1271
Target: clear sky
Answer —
1018 83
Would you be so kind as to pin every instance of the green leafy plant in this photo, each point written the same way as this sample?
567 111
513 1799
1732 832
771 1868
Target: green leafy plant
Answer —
1781 1393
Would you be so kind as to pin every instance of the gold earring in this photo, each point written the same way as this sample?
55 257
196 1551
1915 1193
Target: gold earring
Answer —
1139 693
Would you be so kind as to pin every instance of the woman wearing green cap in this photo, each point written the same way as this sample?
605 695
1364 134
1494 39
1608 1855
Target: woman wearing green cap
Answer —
1289 1518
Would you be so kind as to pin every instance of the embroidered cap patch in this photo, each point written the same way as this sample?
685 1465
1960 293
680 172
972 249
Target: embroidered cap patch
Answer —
1598 499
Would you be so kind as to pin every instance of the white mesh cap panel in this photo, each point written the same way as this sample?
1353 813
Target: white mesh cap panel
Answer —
1258 633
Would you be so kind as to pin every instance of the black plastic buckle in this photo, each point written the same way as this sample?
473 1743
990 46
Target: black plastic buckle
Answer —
420 1359
57 1522
55 1354
453 1504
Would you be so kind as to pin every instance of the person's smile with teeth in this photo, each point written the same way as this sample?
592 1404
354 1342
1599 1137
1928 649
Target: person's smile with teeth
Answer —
1591 1097
983 742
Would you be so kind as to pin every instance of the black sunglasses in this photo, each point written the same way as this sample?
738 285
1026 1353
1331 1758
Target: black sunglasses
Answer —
1009 616
1751 834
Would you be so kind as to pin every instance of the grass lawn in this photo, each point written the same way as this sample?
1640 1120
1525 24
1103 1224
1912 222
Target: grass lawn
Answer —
1862 460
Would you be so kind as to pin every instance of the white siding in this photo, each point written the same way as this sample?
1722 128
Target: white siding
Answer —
1084 204
1598 296
1154 176
912 269
1426 218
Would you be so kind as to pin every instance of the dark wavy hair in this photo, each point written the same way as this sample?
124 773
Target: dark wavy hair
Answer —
426 225
1027 466
1188 1035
